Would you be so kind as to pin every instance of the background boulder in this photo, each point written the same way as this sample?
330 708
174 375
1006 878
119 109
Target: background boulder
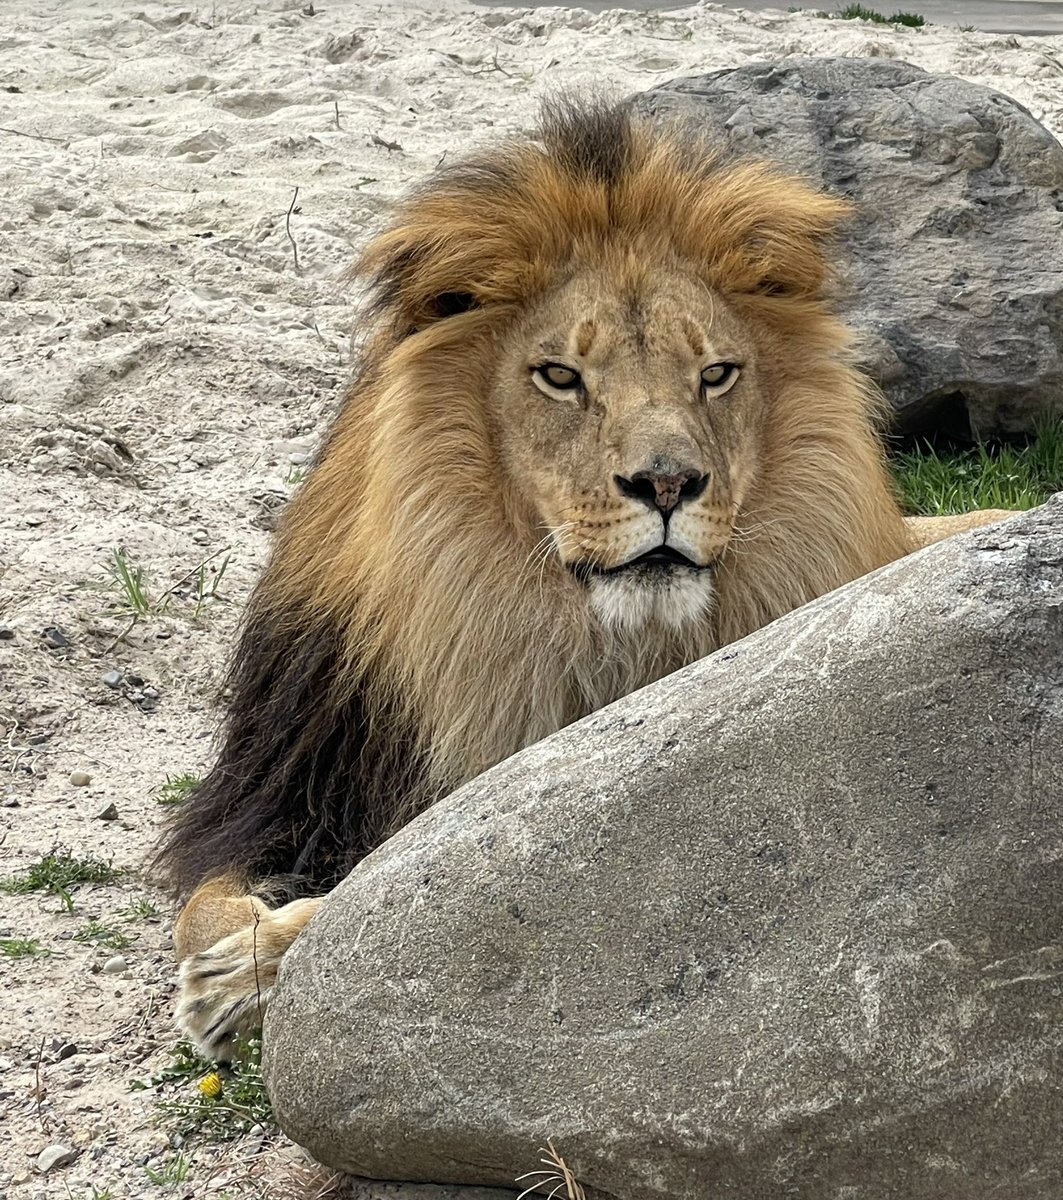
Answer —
787 923
955 262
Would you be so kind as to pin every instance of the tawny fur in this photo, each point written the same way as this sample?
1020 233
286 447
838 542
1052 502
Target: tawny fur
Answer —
410 630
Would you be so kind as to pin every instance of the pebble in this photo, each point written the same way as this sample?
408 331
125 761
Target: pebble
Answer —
80 778
112 679
201 536
115 966
110 813
55 638
55 1156
6 633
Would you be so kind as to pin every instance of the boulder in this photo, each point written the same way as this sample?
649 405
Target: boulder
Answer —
787 923
367 1189
954 265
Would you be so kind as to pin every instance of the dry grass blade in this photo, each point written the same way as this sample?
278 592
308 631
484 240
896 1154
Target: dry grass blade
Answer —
557 1172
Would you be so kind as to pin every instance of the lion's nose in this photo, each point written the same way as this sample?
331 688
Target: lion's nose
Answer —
664 485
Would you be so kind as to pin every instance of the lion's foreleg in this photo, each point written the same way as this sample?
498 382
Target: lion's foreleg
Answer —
223 989
924 531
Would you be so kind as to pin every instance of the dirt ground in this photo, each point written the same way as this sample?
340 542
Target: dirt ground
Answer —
182 189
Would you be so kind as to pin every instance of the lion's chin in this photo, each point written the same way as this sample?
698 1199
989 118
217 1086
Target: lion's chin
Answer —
628 603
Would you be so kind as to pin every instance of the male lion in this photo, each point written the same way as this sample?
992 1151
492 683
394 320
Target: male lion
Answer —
604 424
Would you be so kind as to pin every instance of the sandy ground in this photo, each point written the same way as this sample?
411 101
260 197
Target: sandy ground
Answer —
171 346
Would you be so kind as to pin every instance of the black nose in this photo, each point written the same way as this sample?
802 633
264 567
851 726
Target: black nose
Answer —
663 489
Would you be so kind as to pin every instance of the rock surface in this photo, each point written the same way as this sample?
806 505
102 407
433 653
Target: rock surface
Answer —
368 1189
788 923
955 261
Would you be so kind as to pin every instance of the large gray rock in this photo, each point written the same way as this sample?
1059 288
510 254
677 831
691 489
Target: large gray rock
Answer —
786 924
367 1189
955 264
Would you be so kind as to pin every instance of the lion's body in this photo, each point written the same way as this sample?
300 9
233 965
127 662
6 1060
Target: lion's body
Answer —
460 574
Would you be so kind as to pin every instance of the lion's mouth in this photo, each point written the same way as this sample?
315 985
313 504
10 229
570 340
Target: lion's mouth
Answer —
659 561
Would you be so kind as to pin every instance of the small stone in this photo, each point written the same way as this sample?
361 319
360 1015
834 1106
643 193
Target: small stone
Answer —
115 966
6 633
80 778
110 813
112 679
55 1156
201 536
55 638
33 520
67 1050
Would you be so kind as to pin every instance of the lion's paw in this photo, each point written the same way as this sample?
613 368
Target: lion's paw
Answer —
223 992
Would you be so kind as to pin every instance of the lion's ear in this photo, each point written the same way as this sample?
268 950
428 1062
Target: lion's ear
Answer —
450 304
795 240
419 277
767 233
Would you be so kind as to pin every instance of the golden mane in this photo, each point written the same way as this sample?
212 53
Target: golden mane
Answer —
405 636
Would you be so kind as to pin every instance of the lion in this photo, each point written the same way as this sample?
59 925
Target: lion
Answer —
605 422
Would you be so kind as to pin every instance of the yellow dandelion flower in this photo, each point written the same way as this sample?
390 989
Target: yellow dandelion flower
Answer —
210 1085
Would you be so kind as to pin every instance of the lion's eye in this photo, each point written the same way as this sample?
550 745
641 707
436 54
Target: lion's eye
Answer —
558 376
719 376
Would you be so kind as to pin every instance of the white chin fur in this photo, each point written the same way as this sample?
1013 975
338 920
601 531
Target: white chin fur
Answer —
628 605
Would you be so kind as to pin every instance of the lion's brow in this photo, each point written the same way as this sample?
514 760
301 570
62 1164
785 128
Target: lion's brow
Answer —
586 332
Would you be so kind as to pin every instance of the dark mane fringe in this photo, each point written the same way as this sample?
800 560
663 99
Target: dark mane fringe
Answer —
303 784
589 138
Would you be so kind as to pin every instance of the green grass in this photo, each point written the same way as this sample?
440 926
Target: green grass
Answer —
206 582
57 873
197 1098
23 948
936 483
131 584
198 587
140 910
176 789
857 12
95 933
172 1172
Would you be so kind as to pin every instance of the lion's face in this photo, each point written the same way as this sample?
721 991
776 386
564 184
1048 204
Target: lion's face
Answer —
627 415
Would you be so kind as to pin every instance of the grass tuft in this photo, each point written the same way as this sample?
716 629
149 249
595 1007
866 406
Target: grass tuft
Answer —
95 933
142 909
131 584
23 948
176 789
58 872
172 1172
934 483
857 12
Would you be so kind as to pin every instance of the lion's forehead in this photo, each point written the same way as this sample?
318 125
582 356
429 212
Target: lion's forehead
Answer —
660 328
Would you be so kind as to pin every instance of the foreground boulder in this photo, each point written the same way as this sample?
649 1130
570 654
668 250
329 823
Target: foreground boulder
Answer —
787 923
366 1189
955 262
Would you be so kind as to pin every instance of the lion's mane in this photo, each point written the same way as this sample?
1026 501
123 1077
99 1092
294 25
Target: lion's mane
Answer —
397 644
